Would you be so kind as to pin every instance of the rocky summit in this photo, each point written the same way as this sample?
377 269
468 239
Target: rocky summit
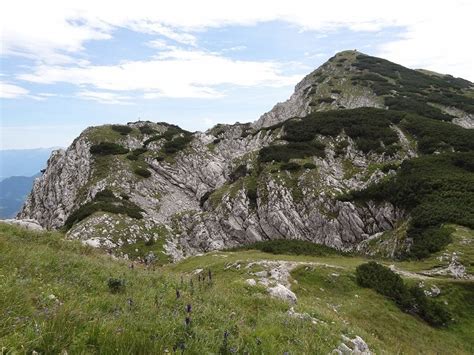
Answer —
336 164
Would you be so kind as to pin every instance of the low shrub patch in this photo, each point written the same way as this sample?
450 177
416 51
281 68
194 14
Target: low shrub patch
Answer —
108 148
283 153
104 201
142 172
122 129
291 166
147 130
177 144
290 247
238 173
409 299
367 126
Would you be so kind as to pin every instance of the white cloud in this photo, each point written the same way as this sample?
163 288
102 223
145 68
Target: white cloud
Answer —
173 73
158 44
104 97
438 32
10 91
442 44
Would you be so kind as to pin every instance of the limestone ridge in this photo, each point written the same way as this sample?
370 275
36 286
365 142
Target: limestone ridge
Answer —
344 82
154 189
326 88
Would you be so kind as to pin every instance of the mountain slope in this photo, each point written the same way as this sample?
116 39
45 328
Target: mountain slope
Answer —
150 187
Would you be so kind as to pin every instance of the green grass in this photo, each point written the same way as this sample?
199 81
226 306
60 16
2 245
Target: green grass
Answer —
84 316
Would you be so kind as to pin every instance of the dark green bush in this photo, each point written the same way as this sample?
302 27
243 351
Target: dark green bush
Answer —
104 201
309 166
159 158
238 173
177 144
283 153
326 100
409 299
421 108
384 281
428 309
152 139
434 135
291 166
139 151
124 196
142 172
122 129
136 153
413 89
367 126
107 148
147 130
170 133
105 194
116 285
290 247
341 146
389 166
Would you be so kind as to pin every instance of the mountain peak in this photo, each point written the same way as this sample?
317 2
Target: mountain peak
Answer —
351 79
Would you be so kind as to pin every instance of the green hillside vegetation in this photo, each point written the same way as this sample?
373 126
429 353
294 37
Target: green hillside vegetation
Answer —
104 201
410 90
108 148
58 296
435 189
409 299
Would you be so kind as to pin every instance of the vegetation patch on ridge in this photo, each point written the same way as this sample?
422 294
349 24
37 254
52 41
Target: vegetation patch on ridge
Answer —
104 201
108 148
410 90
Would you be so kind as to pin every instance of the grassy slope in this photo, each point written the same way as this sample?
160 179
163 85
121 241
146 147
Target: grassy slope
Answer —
87 318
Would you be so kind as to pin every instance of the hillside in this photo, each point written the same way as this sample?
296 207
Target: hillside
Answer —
326 166
60 296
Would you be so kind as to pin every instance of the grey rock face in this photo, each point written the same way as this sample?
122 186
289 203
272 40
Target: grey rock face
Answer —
301 206
326 88
54 194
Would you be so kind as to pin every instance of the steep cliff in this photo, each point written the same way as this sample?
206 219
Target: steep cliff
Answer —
147 188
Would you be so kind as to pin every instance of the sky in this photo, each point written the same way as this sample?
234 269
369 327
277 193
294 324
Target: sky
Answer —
67 65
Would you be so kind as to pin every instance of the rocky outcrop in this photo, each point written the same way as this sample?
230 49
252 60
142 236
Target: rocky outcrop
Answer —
327 88
54 195
30 224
